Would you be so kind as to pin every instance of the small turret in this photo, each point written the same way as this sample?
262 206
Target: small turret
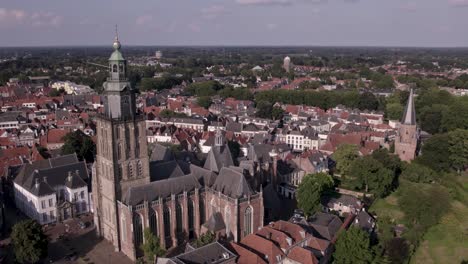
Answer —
219 138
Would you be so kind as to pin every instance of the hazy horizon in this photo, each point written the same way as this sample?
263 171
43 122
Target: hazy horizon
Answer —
271 23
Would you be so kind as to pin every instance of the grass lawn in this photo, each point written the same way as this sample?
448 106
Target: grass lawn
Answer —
387 207
447 242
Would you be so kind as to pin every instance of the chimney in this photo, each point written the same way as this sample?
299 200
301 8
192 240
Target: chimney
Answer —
37 183
289 240
69 178
269 236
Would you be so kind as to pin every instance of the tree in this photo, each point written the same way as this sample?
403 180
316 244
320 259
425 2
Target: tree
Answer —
430 117
205 239
151 247
371 175
394 111
344 155
204 101
397 250
423 205
456 116
264 109
435 153
415 172
29 241
277 113
458 149
81 144
388 160
311 189
353 246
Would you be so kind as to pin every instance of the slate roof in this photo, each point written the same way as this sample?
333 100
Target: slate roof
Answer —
324 225
234 127
212 253
165 170
48 174
232 183
409 115
163 188
160 153
365 221
218 157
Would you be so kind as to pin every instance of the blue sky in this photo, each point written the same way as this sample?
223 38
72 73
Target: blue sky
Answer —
429 23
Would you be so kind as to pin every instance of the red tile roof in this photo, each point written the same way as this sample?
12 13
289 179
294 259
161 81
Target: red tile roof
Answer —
302 256
263 246
246 256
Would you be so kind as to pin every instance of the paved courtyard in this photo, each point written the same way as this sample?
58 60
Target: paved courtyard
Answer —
71 244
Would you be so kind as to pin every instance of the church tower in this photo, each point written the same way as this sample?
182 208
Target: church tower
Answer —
122 156
407 138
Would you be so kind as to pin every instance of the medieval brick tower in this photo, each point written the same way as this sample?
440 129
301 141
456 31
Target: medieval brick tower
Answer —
406 142
122 154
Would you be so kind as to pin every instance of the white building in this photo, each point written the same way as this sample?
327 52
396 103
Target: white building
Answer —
52 190
72 88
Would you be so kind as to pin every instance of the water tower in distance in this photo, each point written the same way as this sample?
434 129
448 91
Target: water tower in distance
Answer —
287 64
158 55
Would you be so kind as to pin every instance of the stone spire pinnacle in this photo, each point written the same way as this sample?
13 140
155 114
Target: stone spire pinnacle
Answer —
409 115
219 139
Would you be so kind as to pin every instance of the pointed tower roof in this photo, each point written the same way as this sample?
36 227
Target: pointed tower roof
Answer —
116 55
409 115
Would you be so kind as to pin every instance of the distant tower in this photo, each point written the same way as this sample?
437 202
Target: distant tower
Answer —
122 153
407 138
287 64
158 55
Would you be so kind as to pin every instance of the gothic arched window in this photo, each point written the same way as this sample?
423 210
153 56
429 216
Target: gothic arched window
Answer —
227 219
121 67
137 229
191 214
114 68
153 221
139 168
130 170
214 206
202 210
248 219
119 151
124 229
178 218
167 225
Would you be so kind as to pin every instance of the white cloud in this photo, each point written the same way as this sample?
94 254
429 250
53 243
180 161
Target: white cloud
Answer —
213 12
12 17
143 20
45 19
458 3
